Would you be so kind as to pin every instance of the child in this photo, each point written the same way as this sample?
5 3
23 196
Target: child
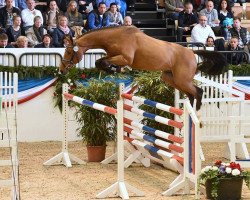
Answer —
4 41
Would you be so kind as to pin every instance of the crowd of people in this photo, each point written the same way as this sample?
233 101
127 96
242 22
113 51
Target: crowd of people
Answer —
211 23
22 25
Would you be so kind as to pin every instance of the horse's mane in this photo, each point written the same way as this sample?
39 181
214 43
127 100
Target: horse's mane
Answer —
103 28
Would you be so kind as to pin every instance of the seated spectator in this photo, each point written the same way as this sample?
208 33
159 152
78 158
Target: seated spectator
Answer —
47 42
4 41
186 21
115 17
22 42
74 17
7 13
75 20
173 8
239 32
36 32
212 17
15 31
201 31
225 17
60 32
127 21
98 18
51 16
29 14
234 58
210 42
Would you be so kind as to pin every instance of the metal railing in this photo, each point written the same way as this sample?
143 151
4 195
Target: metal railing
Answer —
8 59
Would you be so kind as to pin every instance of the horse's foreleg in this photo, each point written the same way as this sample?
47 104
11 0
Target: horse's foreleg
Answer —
103 64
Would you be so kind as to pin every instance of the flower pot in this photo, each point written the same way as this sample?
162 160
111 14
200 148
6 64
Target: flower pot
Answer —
228 188
96 153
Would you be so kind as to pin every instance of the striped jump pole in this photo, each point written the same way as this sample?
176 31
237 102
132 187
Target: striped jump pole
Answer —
157 118
151 103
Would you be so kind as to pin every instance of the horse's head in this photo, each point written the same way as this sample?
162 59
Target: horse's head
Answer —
71 55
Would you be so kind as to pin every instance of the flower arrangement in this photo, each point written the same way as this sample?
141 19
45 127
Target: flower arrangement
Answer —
221 170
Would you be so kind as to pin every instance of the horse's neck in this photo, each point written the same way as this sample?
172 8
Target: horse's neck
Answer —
91 41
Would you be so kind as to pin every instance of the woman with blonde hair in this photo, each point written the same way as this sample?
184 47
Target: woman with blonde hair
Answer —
61 30
74 17
22 42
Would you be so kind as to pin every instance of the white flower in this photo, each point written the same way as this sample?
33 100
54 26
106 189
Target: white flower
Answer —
235 172
215 168
206 169
69 80
224 164
228 170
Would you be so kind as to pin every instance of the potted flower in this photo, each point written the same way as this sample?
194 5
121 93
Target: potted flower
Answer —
224 180
96 127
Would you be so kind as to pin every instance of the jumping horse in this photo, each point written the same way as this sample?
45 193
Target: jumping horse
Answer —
127 45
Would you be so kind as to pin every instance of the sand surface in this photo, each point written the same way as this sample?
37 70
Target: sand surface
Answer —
84 182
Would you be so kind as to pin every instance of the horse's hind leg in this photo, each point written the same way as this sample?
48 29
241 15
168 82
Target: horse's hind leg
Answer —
168 78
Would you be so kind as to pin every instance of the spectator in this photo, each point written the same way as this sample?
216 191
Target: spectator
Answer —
121 4
210 42
47 42
7 13
225 17
127 21
186 21
60 32
36 32
239 32
201 31
212 17
173 8
51 16
4 41
29 14
22 42
115 17
234 58
74 17
15 31
98 18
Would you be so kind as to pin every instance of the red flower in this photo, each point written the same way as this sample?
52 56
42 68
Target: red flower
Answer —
218 162
234 165
72 87
83 76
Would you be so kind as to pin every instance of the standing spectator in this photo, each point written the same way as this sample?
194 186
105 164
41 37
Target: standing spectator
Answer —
234 58
29 14
98 18
22 42
60 32
201 31
7 13
15 31
36 32
127 21
173 8
186 21
115 17
47 42
51 16
4 41
225 17
212 17
239 32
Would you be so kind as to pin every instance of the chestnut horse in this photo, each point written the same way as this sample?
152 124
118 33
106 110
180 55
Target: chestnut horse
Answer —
127 45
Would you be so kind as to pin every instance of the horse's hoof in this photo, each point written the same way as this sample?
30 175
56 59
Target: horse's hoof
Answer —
201 125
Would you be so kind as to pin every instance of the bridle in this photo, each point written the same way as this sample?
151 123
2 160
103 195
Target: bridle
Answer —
67 63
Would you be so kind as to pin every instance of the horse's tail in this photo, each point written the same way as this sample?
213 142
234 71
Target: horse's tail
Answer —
213 63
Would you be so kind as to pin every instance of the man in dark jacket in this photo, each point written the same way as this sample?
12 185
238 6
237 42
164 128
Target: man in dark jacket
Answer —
186 21
239 32
98 18
7 13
